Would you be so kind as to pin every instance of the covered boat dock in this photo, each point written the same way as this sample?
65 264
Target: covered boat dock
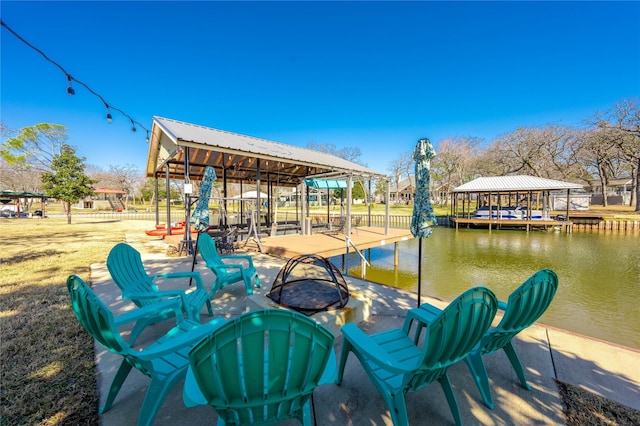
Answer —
508 202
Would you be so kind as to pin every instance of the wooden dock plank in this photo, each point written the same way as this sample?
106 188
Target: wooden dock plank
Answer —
527 223
287 246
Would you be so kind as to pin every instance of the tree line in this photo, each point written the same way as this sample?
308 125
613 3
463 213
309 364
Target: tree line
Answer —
26 155
606 148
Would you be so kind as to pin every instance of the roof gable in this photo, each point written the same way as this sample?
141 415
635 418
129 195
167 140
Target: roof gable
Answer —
404 184
239 155
515 183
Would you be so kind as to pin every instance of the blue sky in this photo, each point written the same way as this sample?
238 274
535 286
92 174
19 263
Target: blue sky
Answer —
377 75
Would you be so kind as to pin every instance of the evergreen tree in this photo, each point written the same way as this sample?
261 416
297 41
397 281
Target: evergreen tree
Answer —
67 181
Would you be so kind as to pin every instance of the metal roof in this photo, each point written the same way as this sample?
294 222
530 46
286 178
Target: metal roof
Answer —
103 190
241 157
326 183
21 194
404 184
515 183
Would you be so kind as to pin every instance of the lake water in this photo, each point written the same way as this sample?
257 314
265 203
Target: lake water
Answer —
599 273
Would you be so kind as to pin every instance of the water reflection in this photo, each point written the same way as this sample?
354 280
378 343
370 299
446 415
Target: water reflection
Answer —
599 274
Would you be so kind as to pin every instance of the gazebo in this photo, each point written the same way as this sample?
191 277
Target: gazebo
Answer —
7 195
180 150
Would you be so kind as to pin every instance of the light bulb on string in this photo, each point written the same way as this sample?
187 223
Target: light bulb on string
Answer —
70 90
70 79
109 117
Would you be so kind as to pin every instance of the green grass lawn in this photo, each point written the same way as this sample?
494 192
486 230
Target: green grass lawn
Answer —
48 370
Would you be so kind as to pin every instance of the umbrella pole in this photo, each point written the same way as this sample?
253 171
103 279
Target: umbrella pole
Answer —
195 254
419 270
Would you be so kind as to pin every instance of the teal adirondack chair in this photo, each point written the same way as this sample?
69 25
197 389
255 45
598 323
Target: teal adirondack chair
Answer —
126 269
165 361
400 361
261 368
227 273
526 304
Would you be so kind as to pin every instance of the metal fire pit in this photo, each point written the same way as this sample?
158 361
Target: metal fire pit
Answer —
308 284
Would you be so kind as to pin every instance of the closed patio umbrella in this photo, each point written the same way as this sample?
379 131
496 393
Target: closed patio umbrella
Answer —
422 220
200 216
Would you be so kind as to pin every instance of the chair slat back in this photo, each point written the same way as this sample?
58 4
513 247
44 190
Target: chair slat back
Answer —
127 270
525 305
458 328
94 316
263 366
208 249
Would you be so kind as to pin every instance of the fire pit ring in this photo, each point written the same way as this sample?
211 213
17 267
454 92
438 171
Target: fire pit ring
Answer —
309 283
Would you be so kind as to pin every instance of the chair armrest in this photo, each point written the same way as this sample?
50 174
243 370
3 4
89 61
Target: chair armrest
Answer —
227 266
161 295
365 347
239 256
195 275
186 338
185 274
149 310
433 311
424 315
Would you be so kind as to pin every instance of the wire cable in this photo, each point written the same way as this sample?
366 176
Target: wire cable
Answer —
70 78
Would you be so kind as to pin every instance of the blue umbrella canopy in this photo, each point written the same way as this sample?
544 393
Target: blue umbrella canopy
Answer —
200 216
423 218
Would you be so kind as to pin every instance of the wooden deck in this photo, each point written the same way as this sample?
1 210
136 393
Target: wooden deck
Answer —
497 223
327 245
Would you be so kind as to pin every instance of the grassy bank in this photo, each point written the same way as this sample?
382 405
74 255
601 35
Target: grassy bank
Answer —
48 374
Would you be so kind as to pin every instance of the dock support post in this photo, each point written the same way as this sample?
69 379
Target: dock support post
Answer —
396 255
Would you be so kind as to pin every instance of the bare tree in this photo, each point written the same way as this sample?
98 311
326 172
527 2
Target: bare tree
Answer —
599 156
20 178
23 156
124 178
543 152
512 153
398 167
34 147
100 175
28 153
350 153
624 119
455 162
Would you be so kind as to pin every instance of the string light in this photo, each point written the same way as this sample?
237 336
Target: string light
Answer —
70 89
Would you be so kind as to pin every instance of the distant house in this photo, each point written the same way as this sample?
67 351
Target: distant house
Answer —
104 199
404 192
618 191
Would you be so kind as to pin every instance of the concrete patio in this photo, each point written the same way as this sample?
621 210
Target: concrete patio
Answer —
547 354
